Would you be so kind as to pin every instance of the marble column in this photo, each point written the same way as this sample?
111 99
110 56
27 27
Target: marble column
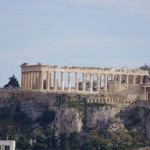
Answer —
31 80
112 77
55 80
134 79
69 81
62 81
119 78
91 82
141 79
47 80
83 81
127 79
145 94
76 82
50 79
22 80
98 83
36 81
41 80
105 83
28 80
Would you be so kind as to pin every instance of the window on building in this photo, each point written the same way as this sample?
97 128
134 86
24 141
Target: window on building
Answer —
7 147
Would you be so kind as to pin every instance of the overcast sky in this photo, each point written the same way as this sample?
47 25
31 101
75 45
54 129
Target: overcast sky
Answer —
106 33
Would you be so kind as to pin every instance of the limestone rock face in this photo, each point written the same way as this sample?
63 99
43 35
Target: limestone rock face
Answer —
30 106
80 115
98 117
34 103
115 124
68 120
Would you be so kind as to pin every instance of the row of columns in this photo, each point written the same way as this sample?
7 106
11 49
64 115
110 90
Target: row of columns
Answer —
30 80
34 80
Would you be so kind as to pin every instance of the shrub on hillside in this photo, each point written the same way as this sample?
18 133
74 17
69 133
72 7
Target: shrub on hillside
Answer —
47 117
4 113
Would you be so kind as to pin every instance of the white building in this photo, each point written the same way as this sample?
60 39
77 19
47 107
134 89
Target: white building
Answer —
7 145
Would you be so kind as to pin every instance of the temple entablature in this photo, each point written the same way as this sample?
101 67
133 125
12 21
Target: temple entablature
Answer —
94 70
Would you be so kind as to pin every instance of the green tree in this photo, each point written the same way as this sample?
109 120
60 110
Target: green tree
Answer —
13 82
47 117
50 138
74 140
23 143
40 146
64 142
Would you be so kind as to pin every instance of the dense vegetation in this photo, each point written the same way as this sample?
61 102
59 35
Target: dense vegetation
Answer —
15 124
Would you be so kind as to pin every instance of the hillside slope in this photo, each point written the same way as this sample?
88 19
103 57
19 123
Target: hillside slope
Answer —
46 121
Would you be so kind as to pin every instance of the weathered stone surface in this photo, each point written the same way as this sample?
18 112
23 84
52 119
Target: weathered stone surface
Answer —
111 117
34 103
68 120
98 117
115 124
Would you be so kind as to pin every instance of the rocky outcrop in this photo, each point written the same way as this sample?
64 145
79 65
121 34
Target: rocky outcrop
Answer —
34 103
98 116
81 115
68 120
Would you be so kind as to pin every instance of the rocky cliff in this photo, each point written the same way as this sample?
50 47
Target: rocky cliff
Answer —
74 114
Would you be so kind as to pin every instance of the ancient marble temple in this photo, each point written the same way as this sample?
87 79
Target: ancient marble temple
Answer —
92 79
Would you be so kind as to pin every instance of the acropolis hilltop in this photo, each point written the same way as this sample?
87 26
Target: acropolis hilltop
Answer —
93 80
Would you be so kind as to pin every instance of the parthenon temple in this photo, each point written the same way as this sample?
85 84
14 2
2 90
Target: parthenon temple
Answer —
78 79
